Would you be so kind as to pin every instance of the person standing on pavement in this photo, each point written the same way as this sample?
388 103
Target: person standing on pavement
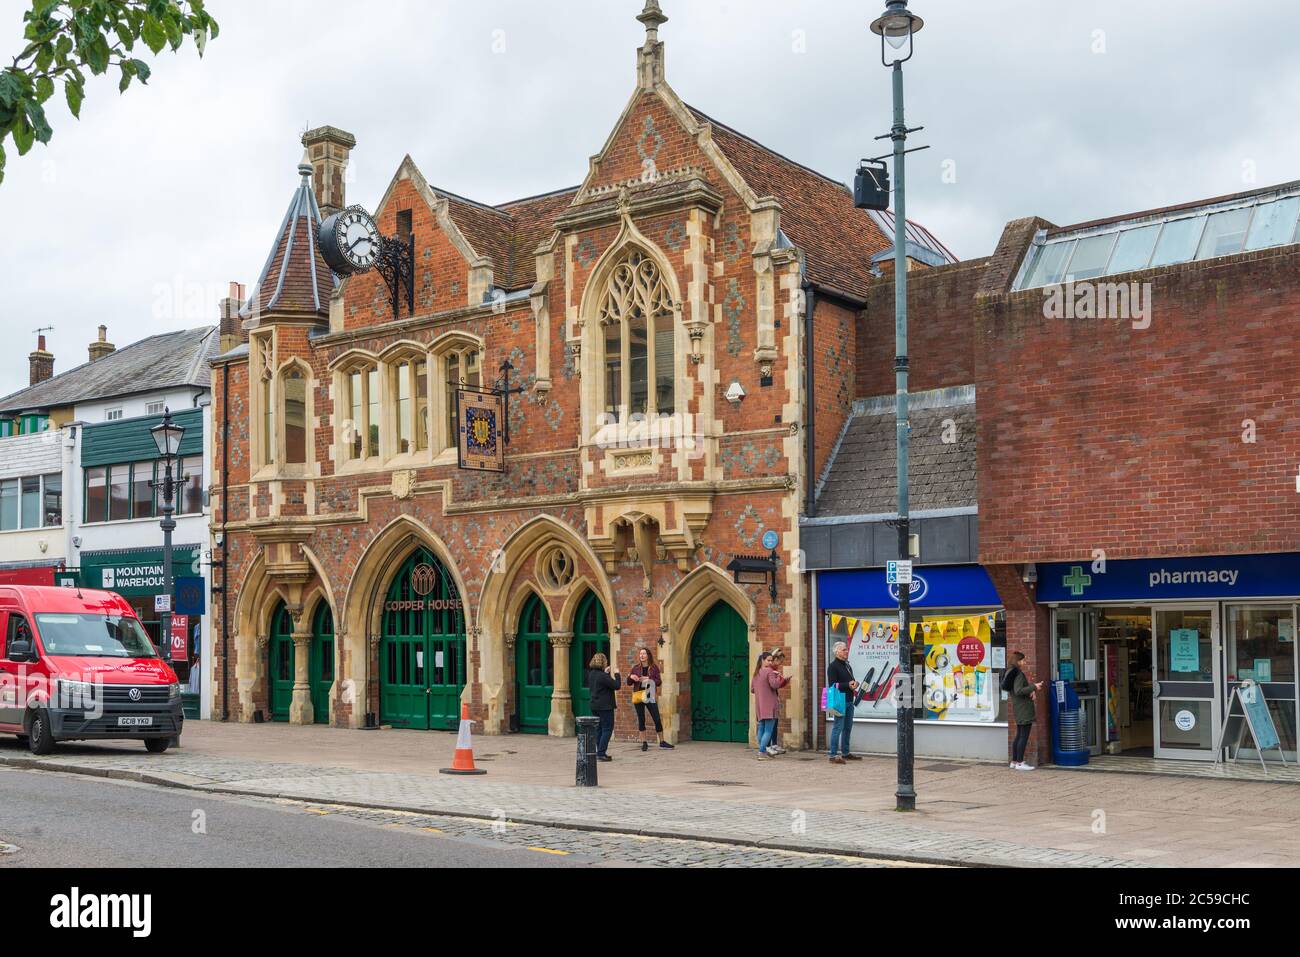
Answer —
603 687
840 675
766 686
645 681
1024 697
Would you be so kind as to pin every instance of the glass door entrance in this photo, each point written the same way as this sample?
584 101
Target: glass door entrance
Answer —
1185 706
1076 658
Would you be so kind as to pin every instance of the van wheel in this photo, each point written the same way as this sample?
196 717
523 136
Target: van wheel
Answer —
40 736
157 745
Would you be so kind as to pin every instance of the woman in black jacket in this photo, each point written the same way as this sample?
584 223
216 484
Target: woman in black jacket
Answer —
603 701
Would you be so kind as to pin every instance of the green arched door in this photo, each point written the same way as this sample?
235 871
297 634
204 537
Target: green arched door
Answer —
720 677
590 637
321 664
534 668
279 662
422 647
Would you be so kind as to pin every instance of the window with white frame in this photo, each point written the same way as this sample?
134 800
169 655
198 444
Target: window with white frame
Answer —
155 408
637 321
33 501
113 415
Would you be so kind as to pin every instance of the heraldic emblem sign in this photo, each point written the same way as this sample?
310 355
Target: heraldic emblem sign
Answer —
480 417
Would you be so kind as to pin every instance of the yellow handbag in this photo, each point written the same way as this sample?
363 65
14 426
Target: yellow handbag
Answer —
638 697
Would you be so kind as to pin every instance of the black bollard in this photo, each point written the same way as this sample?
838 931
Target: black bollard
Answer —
588 728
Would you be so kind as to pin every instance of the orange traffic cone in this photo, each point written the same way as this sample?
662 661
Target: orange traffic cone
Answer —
463 762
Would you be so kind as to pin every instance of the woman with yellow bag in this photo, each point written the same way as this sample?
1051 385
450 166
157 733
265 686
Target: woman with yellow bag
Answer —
645 681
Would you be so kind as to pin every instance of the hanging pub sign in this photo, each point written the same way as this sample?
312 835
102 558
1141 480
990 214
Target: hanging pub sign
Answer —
480 421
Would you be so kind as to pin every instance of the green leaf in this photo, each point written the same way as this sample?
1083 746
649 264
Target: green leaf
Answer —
97 54
40 125
174 35
2 162
22 135
141 70
126 79
152 33
44 88
75 94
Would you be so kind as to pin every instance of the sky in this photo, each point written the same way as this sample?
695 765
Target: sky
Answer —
140 214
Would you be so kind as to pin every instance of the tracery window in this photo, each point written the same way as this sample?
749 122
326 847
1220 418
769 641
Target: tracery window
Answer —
636 315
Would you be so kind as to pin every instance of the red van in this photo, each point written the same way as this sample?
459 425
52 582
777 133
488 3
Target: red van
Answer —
75 665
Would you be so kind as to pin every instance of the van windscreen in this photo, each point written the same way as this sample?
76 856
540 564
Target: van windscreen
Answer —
94 636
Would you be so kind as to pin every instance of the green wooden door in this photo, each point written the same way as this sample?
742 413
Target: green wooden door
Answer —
422 647
280 660
720 677
590 637
321 664
534 668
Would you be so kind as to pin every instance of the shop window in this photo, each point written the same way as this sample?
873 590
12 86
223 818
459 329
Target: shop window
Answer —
293 387
189 493
96 494
9 505
462 368
358 433
119 493
53 508
637 316
142 490
31 504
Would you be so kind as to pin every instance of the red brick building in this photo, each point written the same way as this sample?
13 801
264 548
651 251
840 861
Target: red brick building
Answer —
683 326
1105 424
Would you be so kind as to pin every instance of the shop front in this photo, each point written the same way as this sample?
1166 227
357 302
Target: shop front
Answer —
137 575
1155 648
959 653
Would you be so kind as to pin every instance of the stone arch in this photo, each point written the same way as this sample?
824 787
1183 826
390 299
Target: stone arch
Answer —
357 628
498 601
578 588
683 608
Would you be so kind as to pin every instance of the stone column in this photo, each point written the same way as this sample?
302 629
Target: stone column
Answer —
300 709
561 723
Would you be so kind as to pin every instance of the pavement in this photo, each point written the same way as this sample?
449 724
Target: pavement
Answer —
967 813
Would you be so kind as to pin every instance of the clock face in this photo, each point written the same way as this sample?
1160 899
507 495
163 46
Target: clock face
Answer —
358 239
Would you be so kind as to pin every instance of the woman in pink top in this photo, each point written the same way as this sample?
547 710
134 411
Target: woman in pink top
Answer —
766 686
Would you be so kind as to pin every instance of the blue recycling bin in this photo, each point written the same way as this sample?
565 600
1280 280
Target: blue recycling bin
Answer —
1069 734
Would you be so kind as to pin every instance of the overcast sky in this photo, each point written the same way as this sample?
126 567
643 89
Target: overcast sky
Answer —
140 214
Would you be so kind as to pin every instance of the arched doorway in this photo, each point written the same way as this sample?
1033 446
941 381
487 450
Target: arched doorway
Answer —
321 662
422 647
534 668
279 665
720 677
590 637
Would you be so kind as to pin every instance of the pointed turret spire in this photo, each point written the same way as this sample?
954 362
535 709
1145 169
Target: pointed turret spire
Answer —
650 58
295 278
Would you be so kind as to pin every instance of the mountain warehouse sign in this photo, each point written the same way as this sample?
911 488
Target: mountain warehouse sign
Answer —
136 572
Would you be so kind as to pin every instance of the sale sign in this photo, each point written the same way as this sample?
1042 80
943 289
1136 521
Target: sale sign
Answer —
180 638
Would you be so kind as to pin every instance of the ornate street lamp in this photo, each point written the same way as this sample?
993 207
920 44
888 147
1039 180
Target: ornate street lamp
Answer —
167 436
897 27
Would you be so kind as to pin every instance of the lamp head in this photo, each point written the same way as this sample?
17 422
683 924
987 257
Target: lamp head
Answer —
896 27
167 435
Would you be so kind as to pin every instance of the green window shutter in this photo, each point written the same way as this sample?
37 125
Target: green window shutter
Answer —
113 443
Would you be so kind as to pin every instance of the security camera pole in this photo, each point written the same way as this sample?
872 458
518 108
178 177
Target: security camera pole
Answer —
896 27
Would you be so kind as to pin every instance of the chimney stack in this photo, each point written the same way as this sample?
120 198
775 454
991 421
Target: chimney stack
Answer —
232 327
329 149
101 347
40 362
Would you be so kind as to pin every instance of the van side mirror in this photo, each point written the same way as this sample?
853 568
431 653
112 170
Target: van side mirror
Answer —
21 650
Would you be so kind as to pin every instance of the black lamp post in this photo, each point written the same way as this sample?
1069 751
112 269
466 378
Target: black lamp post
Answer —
896 27
167 436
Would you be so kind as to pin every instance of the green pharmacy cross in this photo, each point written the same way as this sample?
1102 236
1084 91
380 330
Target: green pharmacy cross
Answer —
1076 581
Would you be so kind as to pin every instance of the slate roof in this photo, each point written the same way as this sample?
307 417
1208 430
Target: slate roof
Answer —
165 361
863 476
295 277
817 213
508 234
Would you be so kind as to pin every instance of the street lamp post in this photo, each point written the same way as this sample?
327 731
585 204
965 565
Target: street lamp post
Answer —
896 27
167 436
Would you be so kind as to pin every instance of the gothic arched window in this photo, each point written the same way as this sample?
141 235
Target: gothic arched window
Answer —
636 317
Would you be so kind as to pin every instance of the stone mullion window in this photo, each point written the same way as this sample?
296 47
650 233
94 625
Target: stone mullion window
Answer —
638 320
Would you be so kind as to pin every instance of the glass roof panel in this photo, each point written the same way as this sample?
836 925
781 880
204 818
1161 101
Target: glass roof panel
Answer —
1224 233
1178 241
1090 256
1274 223
1049 265
1133 251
